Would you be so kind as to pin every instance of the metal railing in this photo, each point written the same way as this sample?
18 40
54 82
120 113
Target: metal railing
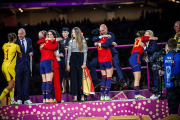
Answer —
129 68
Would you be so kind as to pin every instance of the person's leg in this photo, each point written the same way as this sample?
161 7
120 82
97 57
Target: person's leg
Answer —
109 73
43 87
25 84
92 67
11 92
64 85
69 81
173 100
103 84
10 77
156 80
10 86
61 73
52 90
19 77
49 77
137 77
118 66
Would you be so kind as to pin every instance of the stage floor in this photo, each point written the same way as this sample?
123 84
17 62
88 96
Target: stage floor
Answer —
156 109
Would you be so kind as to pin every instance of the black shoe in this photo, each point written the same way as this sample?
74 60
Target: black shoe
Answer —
63 93
82 101
74 101
58 101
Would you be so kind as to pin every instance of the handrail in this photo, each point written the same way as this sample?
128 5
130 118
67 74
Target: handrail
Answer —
129 68
130 45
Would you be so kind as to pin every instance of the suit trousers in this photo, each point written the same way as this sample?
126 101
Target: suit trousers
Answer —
23 83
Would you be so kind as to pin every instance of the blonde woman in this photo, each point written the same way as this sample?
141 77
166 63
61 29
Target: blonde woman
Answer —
76 61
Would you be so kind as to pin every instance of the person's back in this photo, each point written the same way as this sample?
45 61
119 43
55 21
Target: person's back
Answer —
171 69
10 54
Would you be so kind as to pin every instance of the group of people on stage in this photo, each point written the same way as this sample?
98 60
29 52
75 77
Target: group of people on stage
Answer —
56 66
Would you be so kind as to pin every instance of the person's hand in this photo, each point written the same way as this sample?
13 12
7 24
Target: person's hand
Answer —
96 44
160 72
108 36
114 44
58 39
61 55
41 46
30 54
67 67
49 39
142 44
83 66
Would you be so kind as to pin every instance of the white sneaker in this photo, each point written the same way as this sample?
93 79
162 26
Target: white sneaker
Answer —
102 98
155 96
19 102
107 98
62 101
27 102
13 102
139 97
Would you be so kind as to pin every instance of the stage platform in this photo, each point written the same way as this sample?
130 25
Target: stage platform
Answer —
156 109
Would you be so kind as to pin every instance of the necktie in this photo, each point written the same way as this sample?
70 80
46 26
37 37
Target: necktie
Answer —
23 46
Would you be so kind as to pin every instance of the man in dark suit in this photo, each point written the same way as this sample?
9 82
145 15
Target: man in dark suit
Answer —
92 65
23 67
62 46
150 48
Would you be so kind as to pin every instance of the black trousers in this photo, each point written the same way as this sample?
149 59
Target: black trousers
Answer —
154 76
173 96
76 61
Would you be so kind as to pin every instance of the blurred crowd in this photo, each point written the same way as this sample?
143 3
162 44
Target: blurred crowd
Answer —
161 23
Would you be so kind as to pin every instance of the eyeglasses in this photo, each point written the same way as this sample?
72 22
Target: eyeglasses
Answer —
176 26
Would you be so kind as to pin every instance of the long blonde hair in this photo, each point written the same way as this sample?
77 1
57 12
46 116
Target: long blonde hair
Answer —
79 38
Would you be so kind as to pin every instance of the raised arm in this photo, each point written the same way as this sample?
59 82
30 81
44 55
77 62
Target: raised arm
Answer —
95 38
153 38
51 47
41 41
18 51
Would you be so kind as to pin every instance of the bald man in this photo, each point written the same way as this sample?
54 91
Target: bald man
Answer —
23 67
108 44
177 35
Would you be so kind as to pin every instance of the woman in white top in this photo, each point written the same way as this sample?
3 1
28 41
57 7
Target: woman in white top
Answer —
76 61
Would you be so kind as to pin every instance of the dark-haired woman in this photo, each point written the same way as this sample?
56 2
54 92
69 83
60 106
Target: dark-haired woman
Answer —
11 51
48 61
